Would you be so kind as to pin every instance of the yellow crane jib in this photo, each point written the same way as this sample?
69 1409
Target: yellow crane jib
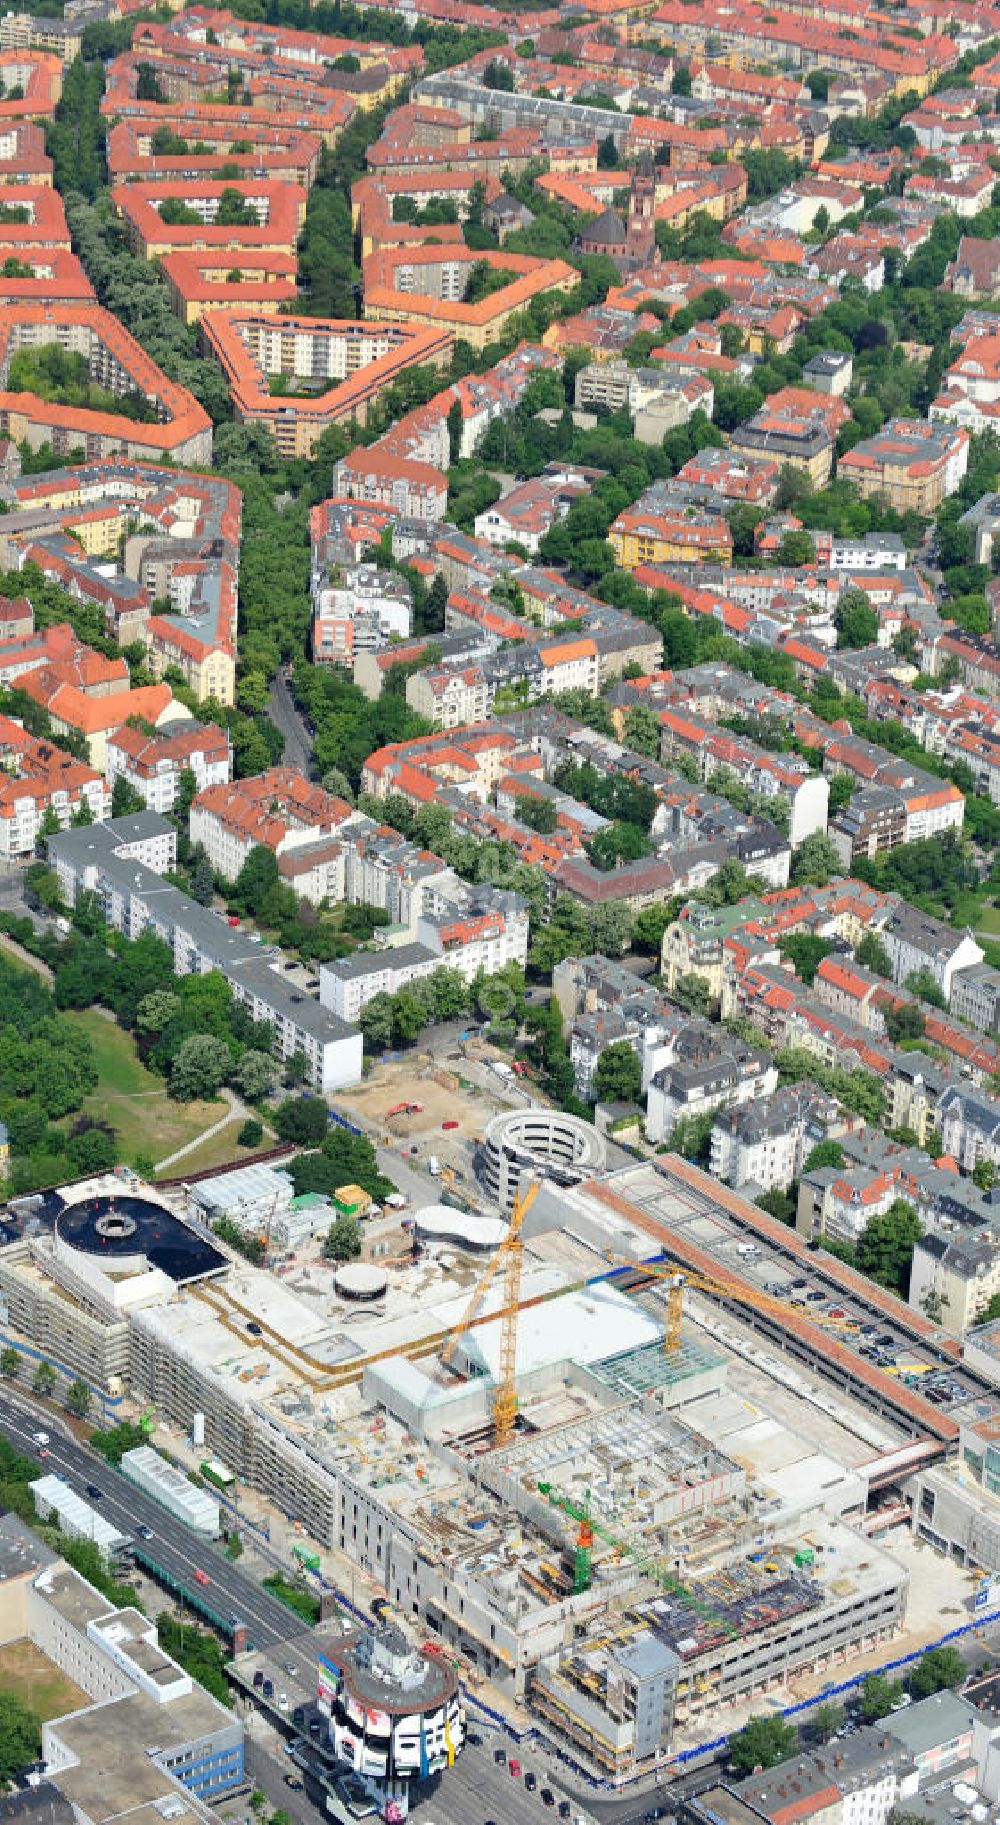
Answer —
509 1257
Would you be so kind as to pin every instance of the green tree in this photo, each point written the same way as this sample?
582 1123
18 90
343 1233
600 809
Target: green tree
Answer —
936 1671
376 1023
924 984
872 955
618 1074
303 1120
20 1737
816 861
841 792
10 1363
343 1240
905 1022
855 619
983 1174
886 1244
456 427
762 1743
200 1067
201 884
251 1133
825 1722
691 1137
125 800
797 548
642 729
78 1398
805 952
255 1074
693 992
617 843
156 1010
44 1379
878 1695
825 1153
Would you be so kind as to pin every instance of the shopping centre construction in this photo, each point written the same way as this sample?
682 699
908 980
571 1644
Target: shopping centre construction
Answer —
629 1469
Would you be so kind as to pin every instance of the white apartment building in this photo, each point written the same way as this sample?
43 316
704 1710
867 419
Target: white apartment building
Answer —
348 984
153 764
916 941
114 861
25 799
278 810
481 936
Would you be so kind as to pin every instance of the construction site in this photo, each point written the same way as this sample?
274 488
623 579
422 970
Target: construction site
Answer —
616 1464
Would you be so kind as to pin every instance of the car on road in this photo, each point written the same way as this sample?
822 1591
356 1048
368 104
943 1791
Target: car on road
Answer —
292 1781
564 1809
547 1797
95 1494
40 1438
514 1767
447 1125
202 1577
499 1756
144 1532
531 1781
258 1680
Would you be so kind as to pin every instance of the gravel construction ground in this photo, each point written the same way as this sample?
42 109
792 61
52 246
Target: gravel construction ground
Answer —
442 1094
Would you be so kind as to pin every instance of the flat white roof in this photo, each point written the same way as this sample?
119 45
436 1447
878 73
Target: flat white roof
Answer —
76 1516
585 1326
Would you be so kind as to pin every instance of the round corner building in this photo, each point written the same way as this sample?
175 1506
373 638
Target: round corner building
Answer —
395 1713
544 1141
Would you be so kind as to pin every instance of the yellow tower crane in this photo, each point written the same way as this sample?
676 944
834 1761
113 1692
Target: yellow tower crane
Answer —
679 1281
509 1255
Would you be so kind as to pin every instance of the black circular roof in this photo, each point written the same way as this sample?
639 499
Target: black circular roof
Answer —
119 1227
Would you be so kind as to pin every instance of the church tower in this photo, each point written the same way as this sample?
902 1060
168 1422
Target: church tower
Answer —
641 242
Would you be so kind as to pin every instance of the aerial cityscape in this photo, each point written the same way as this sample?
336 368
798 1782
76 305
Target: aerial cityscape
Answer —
500 912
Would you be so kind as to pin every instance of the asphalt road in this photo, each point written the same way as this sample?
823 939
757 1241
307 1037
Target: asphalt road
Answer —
283 713
230 1593
12 899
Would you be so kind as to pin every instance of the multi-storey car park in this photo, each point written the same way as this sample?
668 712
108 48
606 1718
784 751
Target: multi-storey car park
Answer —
667 1529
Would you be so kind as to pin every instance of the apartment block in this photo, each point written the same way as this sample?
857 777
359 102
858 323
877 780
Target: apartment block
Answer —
278 810
113 861
153 764
910 465
177 426
37 777
300 375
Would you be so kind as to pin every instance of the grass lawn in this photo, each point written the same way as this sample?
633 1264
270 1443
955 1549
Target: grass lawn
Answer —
221 1150
989 919
133 1100
40 1685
